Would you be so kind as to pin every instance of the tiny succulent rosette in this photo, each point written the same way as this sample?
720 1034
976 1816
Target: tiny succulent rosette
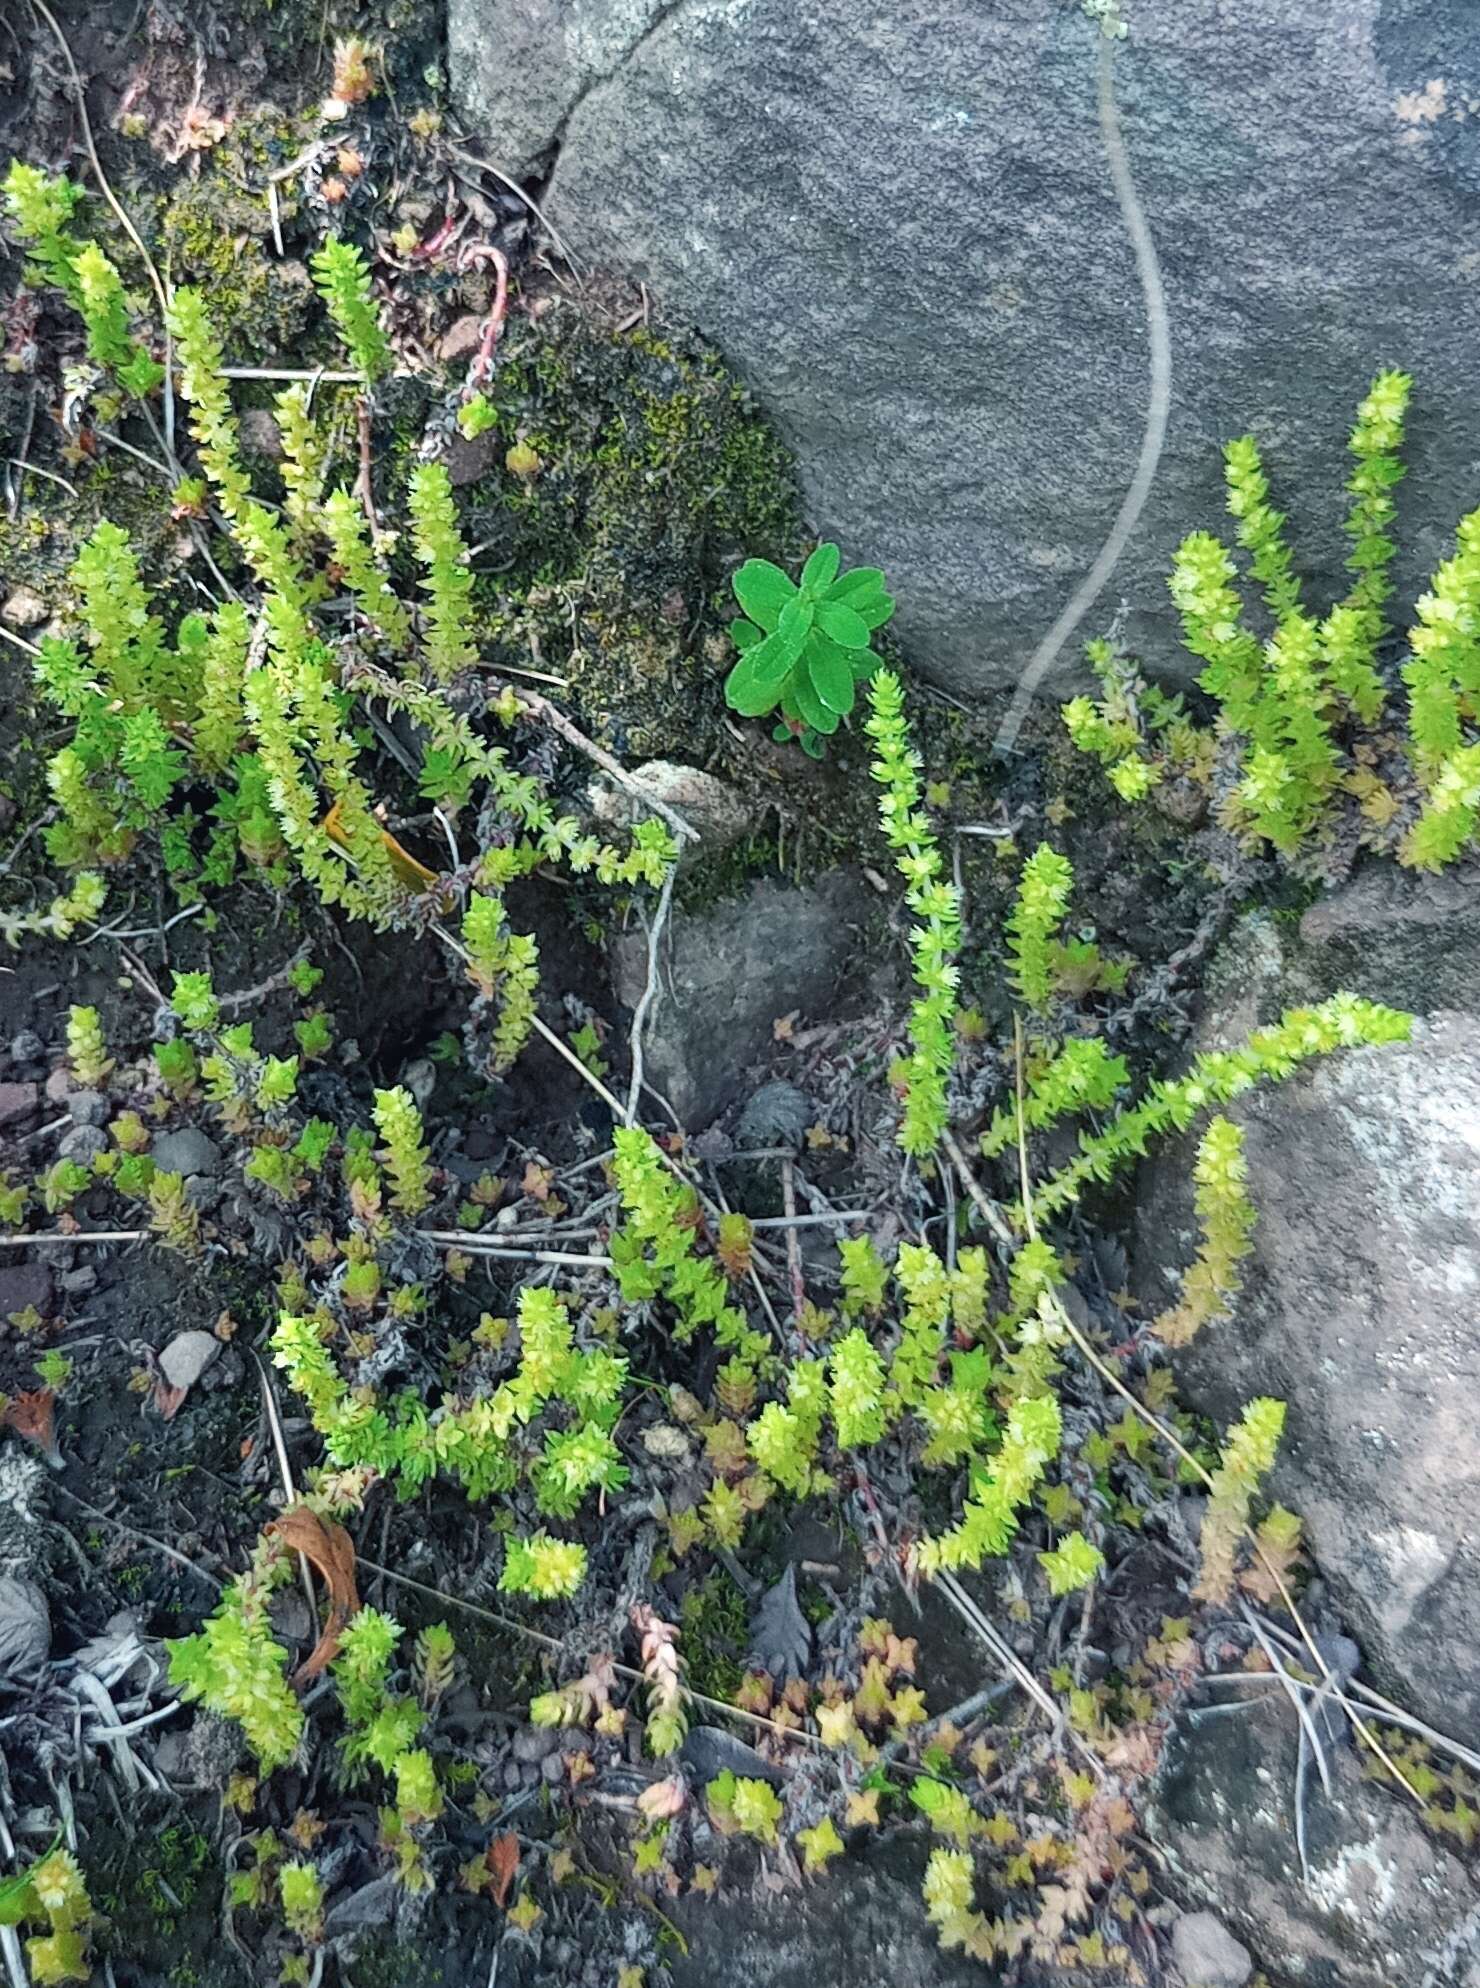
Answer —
804 645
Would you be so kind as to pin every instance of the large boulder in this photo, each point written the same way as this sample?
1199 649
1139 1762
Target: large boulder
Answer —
1361 1305
1383 1902
898 224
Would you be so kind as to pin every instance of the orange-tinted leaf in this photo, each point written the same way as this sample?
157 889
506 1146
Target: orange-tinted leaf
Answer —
34 1417
502 1859
330 1551
416 876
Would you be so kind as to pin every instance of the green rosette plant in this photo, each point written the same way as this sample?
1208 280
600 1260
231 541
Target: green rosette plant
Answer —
804 645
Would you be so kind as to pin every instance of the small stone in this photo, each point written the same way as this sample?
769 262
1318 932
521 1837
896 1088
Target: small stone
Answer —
77 1283
535 1742
88 1108
188 1152
714 810
461 338
83 1144
18 1104
778 1115
26 1047
1207 1954
24 1286
552 1769
59 1085
260 434
201 1193
420 1078
187 1356
25 608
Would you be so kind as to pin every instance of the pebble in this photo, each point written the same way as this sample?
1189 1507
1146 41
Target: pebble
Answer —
23 1285
25 608
188 1152
1207 1954
260 433
552 1767
88 1108
83 1143
26 1047
77 1283
59 1084
535 1742
18 1104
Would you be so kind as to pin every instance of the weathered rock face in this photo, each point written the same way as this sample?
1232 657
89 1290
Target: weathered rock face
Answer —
727 975
1385 1902
1361 1306
898 224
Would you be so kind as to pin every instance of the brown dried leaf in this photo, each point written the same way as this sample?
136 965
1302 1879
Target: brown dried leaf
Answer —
330 1551
502 1859
33 1416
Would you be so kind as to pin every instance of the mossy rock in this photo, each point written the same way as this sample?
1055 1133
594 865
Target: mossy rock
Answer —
611 560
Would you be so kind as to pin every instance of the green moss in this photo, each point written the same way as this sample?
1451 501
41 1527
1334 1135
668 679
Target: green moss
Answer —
611 562
715 1620
159 1888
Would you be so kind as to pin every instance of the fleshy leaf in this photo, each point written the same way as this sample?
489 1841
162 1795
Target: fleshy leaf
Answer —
763 591
811 706
797 617
754 684
821 569
843 624
830 670
860 584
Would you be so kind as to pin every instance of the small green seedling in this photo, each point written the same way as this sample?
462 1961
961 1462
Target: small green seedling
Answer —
805 646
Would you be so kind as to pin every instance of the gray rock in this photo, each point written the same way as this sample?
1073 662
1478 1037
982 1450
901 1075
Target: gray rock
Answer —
188 1152
1386 1902
1399 937
187 1356
82 1143
88 1107
865 1923
778 1115
18 1104
1360 1311
730 974
24 608
534 1743
77 1283
1207 1954
898 223
23 1285
26 1047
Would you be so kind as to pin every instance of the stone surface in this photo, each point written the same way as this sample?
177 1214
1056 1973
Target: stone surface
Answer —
88 1107
24 608
23 1285
898 224
1207 1954
18 1104
864 1924
1361 1306
728 975
82 1143
1386 1903
188 1152
1412 941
